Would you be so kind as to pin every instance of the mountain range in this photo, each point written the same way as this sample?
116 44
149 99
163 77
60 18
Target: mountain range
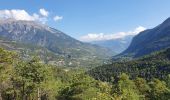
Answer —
28 33
149 55
34 38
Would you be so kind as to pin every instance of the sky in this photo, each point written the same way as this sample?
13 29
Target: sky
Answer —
90 20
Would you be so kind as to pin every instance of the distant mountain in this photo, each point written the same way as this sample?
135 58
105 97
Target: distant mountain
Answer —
55 41
149 41
116 45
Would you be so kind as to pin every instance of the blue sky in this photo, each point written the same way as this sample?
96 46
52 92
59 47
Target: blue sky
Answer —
78 18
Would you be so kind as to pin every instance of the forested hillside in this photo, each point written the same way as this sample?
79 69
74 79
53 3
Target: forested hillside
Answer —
33 80
156 65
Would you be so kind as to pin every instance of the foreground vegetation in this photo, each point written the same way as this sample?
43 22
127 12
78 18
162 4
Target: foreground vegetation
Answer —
32 80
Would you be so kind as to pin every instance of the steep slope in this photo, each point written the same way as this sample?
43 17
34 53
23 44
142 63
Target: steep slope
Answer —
156 65
150 40
53 40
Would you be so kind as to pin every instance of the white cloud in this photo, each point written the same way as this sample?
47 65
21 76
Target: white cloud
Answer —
44 12
101 36
18 14
57 18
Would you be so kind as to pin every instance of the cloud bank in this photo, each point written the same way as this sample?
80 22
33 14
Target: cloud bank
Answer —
101 36
18 14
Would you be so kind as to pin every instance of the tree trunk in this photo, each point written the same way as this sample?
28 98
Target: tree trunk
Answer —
1 96
23 91
39 96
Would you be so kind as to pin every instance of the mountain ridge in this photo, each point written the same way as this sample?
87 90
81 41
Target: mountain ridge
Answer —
149 41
